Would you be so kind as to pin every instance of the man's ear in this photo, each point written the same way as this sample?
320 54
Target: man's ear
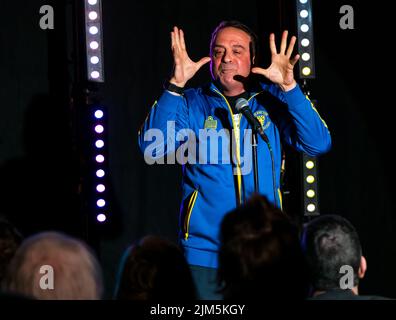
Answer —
362 267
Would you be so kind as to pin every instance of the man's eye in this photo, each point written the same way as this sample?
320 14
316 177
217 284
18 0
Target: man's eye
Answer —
237 52
218 53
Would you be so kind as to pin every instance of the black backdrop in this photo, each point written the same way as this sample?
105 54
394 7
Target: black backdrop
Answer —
38 167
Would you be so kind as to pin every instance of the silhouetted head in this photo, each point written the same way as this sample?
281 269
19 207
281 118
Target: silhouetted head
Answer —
260 255
54 266
330 242
154 269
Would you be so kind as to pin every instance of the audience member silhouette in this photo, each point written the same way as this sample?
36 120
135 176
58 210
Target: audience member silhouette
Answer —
10 239
154 269
54 266
260 256
334 256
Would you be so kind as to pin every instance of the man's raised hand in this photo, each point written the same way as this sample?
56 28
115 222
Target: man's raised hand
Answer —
281 69
184 67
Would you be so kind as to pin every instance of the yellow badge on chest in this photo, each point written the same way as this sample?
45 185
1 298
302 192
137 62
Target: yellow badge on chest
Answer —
262 117
210 123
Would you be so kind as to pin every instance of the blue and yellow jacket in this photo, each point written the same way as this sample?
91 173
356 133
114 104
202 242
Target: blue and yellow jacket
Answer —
216 177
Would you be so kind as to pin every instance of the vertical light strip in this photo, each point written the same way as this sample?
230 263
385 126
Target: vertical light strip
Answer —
305 39
94 40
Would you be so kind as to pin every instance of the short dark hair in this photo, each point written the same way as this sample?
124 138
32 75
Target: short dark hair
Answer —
240 26
260 255
331 242
154 268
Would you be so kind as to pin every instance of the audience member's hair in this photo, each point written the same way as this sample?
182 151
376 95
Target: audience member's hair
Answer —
76 271
331 242
260 255
10 239
154 269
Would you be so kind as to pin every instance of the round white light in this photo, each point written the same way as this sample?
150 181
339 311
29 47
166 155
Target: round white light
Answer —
99 158
100 188
311 207
304 27
93 30
303 13
100 173
92 2
92 15
303 1
305 42
310 193
101 217
310 179
310 164
99 144
306 71
100 203
99 128
94 45
98 114
305 56
95 74
94 60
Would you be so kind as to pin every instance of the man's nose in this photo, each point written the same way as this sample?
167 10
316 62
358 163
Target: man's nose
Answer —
227 58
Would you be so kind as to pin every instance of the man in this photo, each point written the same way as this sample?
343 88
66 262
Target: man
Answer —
260 256
54 266
212 188
334 256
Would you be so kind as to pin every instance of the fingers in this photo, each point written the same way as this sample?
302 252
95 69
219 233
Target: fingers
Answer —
283 42
295 59
203 61
291 46
272 44
263 72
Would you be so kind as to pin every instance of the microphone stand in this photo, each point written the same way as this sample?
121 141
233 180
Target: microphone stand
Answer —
255 165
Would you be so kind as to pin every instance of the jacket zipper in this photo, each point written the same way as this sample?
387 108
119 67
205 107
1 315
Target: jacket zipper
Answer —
190 208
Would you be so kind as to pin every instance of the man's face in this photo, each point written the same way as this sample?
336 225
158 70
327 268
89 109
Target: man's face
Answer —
230 57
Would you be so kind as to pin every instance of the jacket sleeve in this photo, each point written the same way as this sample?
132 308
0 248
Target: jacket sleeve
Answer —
304 129
157 135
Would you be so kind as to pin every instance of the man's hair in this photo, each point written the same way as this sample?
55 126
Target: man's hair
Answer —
240 26
76 272
154 269
331 242
260 255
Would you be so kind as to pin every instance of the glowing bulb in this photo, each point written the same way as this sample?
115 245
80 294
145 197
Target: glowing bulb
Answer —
310 164
310 179
99 144
100 188
99 158
310 193
303 14
98 114
311 207
93 30
100 203
304 27
305 56
94 45
94 60
100 173
306 71
99 128
92 15
95 74
305 42
101 217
